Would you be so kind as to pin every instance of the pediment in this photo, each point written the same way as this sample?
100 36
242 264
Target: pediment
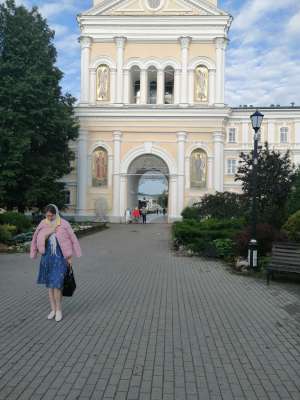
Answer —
154 7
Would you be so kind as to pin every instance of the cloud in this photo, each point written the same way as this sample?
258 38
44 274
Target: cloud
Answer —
52 9
293 27
256 10
60 30
263 57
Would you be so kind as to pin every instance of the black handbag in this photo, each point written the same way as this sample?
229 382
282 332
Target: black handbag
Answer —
69 283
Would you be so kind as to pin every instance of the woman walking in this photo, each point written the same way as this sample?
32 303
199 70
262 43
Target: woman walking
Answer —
55 240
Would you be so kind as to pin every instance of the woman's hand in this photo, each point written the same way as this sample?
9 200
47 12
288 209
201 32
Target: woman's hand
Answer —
70 262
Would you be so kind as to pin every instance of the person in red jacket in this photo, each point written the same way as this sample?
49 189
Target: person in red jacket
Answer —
136 215
55 240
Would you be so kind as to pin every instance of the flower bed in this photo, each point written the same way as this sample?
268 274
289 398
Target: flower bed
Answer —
21 243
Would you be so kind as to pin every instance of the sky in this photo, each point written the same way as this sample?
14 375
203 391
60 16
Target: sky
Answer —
262 58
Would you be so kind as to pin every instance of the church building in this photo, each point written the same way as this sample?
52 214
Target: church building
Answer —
152 102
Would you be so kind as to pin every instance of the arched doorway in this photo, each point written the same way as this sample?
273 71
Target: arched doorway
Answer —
148 185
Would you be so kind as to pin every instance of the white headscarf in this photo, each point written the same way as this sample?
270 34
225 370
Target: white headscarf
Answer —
52 237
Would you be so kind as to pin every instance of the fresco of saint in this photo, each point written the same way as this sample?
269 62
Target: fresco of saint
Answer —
99 167
198 169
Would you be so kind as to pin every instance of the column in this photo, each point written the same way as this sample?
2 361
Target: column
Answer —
191 86
122 198
89 170
172 211
210 184
271 132
245 133
93 86
185 43
144 86
177 86
117 137
126 90
218 141
297 132
120 43
181 139
85 43
110 169
160 97
220 70
113 78
211 86
82 173
187 173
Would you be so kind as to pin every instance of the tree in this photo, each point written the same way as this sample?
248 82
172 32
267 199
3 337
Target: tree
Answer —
293 204
221 205
163 199
275 176
36 120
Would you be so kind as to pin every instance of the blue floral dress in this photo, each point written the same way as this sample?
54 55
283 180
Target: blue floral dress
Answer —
52 268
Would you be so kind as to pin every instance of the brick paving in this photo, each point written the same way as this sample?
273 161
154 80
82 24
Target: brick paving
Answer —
147 324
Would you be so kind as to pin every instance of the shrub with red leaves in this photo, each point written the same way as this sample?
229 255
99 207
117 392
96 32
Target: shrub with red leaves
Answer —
265 234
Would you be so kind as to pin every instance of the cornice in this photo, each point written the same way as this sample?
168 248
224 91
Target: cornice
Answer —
272 114
154 28
128 112
154 20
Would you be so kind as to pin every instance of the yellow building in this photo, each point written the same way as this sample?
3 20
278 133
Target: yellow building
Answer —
152 100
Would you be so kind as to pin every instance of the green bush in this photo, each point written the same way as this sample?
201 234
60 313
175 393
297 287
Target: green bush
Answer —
22 238
191 213
20 221
199 236
6 232
225 248
292 227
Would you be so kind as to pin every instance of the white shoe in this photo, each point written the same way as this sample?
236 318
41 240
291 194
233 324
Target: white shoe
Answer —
51 315
58 316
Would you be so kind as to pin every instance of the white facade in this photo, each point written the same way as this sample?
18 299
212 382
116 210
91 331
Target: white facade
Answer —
161 92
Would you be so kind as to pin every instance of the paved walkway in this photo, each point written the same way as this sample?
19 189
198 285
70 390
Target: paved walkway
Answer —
145 324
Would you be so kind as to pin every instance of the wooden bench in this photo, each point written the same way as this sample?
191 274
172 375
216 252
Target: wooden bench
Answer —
285 258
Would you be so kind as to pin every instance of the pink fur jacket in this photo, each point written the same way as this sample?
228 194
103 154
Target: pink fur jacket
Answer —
65 236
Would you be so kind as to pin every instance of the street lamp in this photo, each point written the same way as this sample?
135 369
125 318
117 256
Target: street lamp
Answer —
256 120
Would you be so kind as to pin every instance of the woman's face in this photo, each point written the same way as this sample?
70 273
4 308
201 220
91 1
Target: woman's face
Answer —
50 216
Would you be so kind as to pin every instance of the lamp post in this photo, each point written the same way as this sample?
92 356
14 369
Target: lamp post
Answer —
256 120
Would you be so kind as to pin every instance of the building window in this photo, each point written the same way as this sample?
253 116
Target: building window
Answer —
135 86
284 135
231 167
99 167
152 85
232 135
103 85
169 85
198 169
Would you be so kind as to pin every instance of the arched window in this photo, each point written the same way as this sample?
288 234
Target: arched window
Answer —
198 167
103 83
169 85
201 84
99 167
135 85
152 85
